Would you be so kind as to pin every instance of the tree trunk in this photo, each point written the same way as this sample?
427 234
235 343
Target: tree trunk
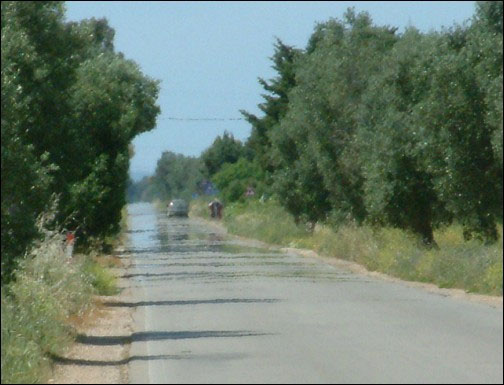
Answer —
423 228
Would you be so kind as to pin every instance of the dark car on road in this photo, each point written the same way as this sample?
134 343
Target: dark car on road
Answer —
178 208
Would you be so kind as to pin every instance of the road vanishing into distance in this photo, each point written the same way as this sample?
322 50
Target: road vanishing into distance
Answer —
210 308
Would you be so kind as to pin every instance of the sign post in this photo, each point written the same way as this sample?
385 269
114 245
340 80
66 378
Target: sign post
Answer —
69 245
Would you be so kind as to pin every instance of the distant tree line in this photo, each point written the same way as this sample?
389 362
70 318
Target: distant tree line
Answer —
179 176
71 106
176 177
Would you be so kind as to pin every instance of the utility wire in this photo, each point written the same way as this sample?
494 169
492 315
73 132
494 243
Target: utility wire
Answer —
198 119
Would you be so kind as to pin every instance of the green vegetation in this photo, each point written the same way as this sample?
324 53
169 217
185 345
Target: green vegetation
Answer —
36 306
372 127
141 191
224 150
179 176
71 105
457 263
391 130
102 280
176 177
233 179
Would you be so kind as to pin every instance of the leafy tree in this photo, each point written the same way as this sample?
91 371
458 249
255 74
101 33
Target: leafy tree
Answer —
224 149
113 102
298 183
274 106
300 189
398 189
233 179
316 137
145 190
484 43
489 16
459 123
426 131
400 130
177 176
25 194
137 191
29 71
70 108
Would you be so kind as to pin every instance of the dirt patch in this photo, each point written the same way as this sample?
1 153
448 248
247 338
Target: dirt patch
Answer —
89 363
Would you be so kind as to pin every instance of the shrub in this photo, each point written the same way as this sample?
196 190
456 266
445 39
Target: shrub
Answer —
48 288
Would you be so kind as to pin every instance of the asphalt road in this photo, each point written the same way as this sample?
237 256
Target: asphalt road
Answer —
213 309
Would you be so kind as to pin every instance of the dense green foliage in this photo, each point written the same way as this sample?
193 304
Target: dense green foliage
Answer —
224 149
316 135
234 179
70 107
274 107
398 190
369 126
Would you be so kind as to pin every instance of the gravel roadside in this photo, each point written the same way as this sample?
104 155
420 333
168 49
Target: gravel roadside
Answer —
93 359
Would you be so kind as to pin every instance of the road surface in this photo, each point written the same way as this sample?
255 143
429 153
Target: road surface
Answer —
213 309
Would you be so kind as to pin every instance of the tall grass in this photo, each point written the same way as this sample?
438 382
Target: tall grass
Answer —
48 289
102 280
199 208
471 266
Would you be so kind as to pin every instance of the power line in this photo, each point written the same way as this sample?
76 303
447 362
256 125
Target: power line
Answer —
199 119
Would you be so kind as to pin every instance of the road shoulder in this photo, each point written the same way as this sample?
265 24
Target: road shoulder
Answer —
494 301
90 362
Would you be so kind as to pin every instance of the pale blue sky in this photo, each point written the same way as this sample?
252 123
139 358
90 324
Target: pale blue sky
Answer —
208 56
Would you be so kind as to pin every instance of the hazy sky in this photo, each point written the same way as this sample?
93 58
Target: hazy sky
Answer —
209 55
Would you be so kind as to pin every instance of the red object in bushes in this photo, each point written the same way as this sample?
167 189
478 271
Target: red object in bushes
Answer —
70 237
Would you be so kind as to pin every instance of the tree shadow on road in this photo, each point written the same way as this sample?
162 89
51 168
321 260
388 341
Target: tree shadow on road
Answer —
183 356
218 301
155 336
77 361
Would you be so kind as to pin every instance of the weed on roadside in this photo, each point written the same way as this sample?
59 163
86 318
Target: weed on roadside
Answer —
49 289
